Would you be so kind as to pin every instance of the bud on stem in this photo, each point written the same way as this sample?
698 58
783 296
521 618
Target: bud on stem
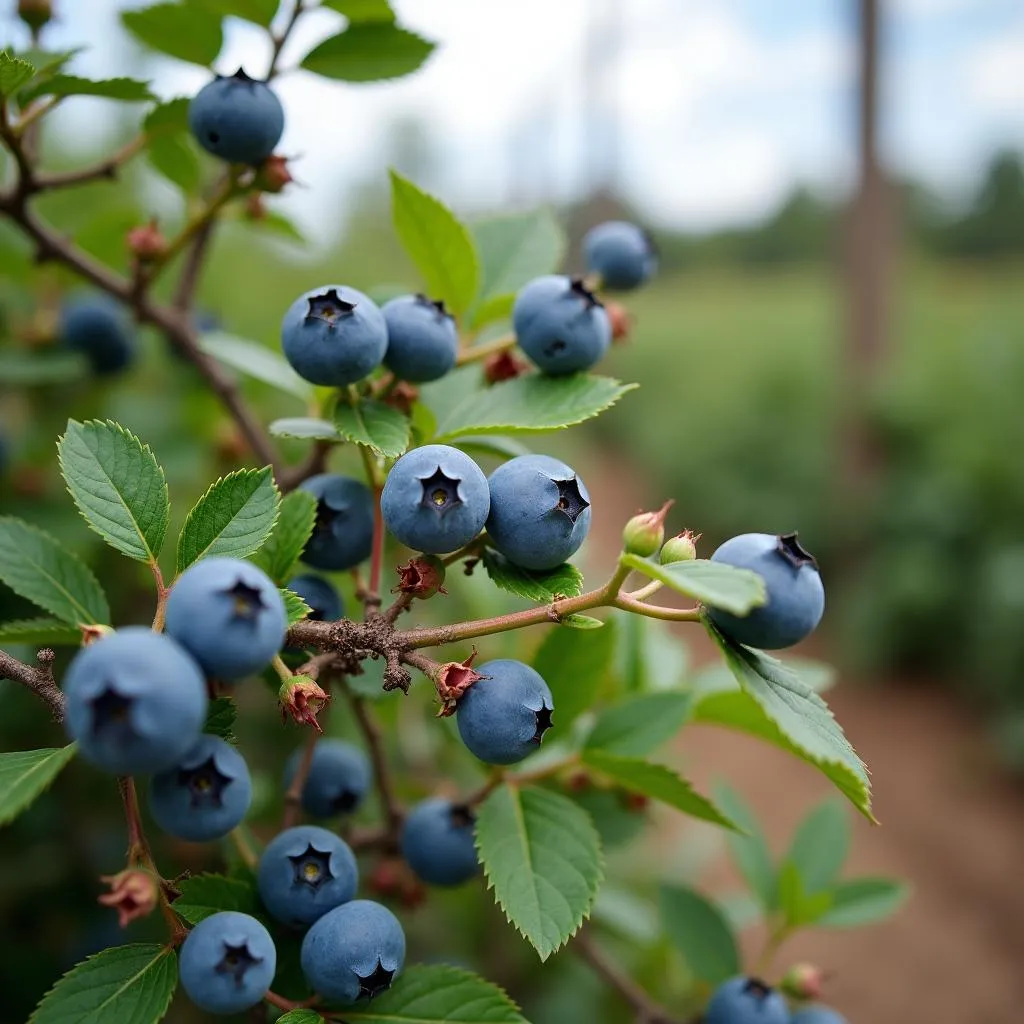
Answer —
644 533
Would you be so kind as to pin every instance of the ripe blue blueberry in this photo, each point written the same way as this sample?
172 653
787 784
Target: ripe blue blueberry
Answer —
98 327
796 597
561 325
321 595
227 963
205 795
437 842
435 499
339 777
237 119
136 701
621 253
540 511
817 1015
228 615
353 952
304 872
343 533
422 339
746 1001
502 718
334 335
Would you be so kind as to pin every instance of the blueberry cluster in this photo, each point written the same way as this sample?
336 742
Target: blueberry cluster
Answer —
745 1000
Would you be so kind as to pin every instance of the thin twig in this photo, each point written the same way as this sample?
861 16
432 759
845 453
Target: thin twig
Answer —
381 770
293 796
39 680
278 41
104 170
489 348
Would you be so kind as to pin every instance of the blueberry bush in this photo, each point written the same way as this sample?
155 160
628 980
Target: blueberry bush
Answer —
287 596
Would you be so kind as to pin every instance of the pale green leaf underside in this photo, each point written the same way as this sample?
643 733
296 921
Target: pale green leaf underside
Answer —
375 425
712 583
257 361
25 774
305 428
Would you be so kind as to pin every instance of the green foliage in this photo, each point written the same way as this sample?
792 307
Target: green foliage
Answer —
186 31
280 553
637 726
701 932
257 361
220 718
750 849
128 90
43 632
259 12
563 581
712 583
26 774
14 73
203 896
301 1017
169 146
362 10
295 608
861 901
369 51
385 431
820 846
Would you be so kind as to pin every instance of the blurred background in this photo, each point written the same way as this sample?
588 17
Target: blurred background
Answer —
835 344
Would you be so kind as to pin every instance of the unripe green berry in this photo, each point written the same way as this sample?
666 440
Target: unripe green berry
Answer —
681 548
644 533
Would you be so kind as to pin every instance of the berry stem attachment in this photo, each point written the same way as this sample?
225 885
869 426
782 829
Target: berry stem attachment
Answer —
161 597
646 591
488 348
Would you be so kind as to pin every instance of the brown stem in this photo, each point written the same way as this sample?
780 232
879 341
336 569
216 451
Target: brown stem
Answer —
315 462
381 770
161 597
188 280
369 838
39 680
293 796
105 169
489 348
278 41
371 599
399 605
653 611
288 1004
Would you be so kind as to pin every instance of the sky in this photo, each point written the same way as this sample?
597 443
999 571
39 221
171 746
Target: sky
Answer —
705 113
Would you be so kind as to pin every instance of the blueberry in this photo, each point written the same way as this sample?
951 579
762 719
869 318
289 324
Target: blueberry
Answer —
228 615
98 327
205 795
796 597
746 1001
422 339
437 842
237 119
353 952
343 534
334 335
227 963
503 717
435 499
339 777
560 325
136 701
303 873
817 1015
621 253
321 595
540 511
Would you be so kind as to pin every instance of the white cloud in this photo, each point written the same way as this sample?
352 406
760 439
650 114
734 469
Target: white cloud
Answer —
995 75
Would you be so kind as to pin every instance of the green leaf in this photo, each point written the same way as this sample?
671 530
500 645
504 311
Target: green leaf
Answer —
492 444
203 896
295 608
124 983
580 622
27 774
375 425
257 361
175 157
565 580
277 223
118 486
220 718
712 583
531 404
749 851
437 995
438 243
650 657
861 901
542 857
36 369
638 726
799 907
14 73
514 250
362 10
233 518
170 117
294 527
301 1017
369 51
576 667
186 32
259 12
129 90
37 568
656 781
305 428
700 931
790 714
40 632
820 846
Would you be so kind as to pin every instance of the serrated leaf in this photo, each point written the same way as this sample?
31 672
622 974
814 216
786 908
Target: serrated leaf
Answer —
639 725
576 668
438 995
37 568
750 850
701 932
295 608
565 580
580 622
186 32
259 12
301 1017
220 718
531 404
775 705
233 518
118 486
712 583
438 243
257 361
656 781
124 983
26 774
375 425
14 73
542 857
862 901
304 428
41 632
294 526
20 369
362 10
203 896
369 51
820 846
129 90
